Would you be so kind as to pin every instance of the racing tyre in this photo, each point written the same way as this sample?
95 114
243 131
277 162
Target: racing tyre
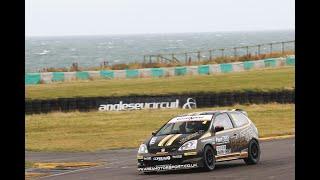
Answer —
253 153
209 158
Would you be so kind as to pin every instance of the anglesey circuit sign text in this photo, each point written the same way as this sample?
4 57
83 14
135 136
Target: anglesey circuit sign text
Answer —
190 104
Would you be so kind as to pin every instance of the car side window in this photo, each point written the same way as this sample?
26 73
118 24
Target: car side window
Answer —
239 119
223 120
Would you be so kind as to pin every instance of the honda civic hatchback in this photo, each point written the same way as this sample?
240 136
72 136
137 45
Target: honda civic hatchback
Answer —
200 140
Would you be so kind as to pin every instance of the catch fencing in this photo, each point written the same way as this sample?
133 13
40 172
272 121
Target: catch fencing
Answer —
213 54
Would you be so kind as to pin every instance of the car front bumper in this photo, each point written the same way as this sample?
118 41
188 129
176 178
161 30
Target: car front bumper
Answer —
169 161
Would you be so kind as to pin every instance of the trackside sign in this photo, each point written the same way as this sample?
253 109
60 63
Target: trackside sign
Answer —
121 106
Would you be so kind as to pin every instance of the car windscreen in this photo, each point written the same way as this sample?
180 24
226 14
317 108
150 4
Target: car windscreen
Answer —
184 127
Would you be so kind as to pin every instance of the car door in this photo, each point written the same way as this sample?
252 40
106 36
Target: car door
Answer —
222 138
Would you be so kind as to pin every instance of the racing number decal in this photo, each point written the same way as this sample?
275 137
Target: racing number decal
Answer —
222 150
222 140
223 145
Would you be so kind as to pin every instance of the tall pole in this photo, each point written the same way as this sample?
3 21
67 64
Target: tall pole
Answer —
173 59
186 55
247 50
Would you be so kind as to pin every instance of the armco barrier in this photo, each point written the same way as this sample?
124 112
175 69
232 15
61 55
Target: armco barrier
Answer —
132 73
157 72
57 76
32 78
179 71
225 68
202 99
204 69
107 74
36 78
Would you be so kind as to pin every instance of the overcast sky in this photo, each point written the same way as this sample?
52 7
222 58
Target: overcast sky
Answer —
103 17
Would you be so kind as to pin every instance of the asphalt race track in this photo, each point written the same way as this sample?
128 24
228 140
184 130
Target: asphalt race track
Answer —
277 162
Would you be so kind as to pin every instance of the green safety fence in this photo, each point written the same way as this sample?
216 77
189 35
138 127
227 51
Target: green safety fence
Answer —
57 76
82 75
203 69
270 63
290 61
178 71
248 65
225 68
32 78
157 72
107 74
132 73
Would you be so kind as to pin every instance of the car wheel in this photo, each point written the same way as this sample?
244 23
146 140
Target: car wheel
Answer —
253 153
209 158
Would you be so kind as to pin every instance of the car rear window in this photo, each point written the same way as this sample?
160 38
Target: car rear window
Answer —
239 119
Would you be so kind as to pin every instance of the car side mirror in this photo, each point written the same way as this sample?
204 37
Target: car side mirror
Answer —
154 133
218 128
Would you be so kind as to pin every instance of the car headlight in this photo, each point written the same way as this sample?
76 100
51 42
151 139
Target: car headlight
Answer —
143 149
189 145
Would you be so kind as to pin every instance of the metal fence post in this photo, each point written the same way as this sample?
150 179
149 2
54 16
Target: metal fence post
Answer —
247 50
282 47
198 56
186 57
210 55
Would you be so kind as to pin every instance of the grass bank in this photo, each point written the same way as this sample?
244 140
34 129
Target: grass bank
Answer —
94 131
262 79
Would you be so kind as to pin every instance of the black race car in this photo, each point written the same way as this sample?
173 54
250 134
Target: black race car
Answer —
199 140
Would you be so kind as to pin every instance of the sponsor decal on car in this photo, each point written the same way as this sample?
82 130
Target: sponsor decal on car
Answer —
211 140
166 158
191 118
153 140
222 140
185 139
168 167
222 150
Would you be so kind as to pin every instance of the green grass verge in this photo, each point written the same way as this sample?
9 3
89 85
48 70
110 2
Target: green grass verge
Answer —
262 80
92 131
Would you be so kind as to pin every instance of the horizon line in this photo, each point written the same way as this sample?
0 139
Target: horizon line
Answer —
157 33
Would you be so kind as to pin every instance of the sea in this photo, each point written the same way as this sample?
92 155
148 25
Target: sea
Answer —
90 51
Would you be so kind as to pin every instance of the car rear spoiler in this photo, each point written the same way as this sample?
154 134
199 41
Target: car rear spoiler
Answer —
241 110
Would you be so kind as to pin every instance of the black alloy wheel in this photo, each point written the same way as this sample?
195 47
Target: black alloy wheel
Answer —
253 153
209 158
